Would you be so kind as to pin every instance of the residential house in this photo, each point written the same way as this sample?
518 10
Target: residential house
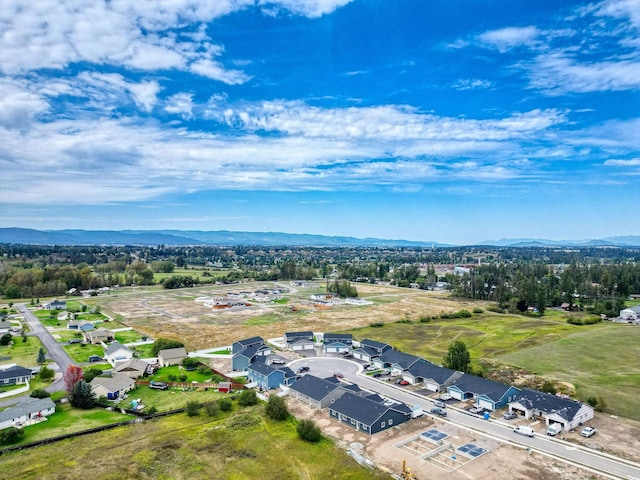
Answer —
134 368
5 327
55 304
337 342
80 325
113 388
553 408
367 415
370 349
299 340
317 392
15 375
631 314
244 352
268 377
434 377
301 344
98 336
171 356
486 393
31 409
395 360
116 352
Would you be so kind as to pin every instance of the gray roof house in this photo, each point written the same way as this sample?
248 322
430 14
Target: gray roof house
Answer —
15 375
434 377
247 351
5 327
133 368
367 415
113 388
98 336
486 393
317 392
55 304
554 409
171 356
397 361
116 352
25 411
292 336
337 342
268 377
370 349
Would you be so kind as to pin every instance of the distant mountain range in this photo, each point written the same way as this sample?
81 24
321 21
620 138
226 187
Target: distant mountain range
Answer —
225 237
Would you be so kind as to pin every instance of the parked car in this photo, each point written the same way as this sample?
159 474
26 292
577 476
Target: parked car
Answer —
524 430
445 397
404 382
554 429
338 375
510 416
278 361
158 385
438 411
303 369
588 432
476 410
348 355
376 375
440 404
74 340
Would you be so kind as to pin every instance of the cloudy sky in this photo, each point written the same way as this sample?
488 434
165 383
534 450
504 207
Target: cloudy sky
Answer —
454 121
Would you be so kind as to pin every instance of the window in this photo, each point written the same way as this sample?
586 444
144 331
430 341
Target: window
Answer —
353 422
382 424
391 421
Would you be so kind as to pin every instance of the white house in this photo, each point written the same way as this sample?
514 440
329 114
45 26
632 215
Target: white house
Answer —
23 412
116 352
631 314
569 413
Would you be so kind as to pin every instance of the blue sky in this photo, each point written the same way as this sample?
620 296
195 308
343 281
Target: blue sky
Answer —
454 121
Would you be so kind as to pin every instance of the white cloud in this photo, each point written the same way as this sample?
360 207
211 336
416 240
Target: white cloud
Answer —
471 84
308 8
18 105
633 162
182 104
145 94
505 39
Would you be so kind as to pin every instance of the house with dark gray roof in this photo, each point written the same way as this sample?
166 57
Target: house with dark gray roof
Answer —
367 415
290 337
171 356
434 377
247 351
268 377
486 393
15 375
5 327
370 349
554 409
396 361
32 409
317 392
113 388
337 342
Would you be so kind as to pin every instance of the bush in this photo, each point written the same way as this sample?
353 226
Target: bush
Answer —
5 339
39 393
276 408
212 409
46 374
182 377
309 431
376 324
172 378
478 310
150 410
11 435
190 363
495 309
225 404
91 373
247 398
548 387
425 319
192 408
203 369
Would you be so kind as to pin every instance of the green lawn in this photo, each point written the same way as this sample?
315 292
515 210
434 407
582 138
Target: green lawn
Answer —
172 398
144 351
62 335
236 446
128 336
599 362
162 375
68 419
81 353
21 353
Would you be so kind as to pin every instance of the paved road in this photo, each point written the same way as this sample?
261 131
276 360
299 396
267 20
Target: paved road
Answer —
53 348
614 467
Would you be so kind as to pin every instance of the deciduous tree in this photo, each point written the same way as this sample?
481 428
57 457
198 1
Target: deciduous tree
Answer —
458 357
72 376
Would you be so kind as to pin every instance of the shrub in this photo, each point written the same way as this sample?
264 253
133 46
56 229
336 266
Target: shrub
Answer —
192 408
548 387
182 377
203 369
5 339
212 409
172 377
247 398
376 324
151 410
276 408
91 373
190 363
495 309
425 319
478 310
39 393
593 401
46 374
309 431
225 404
11 435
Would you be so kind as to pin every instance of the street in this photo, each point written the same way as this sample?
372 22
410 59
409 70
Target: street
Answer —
598 462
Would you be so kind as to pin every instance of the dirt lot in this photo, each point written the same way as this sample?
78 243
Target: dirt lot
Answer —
500 461
176 314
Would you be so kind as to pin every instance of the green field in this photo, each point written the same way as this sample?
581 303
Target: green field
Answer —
600 362
21 353
80 353
162 375
172 398
128 336
237 446
144 351
68 419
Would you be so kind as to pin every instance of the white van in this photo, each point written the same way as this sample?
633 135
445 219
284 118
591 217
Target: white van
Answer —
554 429
524 430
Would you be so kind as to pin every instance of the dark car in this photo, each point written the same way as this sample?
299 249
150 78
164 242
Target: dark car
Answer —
338 375
376 375
303 369
158 385
510 416
438 411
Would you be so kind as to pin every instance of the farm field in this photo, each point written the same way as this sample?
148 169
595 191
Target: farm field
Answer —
240 445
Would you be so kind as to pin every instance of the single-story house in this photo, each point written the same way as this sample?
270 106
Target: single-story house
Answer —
366 415
5 327
15 375
55 304
80 325
171 356
554 409
337 342
268 377
301 344
631 314
292 340
25 411
434 377
116 352
245 352
397 361
317 392
370 349
98 336
133 368
113 388
486 393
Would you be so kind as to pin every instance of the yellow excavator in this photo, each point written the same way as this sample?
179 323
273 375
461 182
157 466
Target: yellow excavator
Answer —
406 472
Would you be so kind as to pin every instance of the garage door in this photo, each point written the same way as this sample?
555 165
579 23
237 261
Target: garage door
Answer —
485 404
298 347
456 394
360 356
432 387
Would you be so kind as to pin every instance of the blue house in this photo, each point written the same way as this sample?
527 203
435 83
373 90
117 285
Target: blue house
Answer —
317 392
367 415
486 393
397 361
15 375
247 351
268 377
370 349
434 377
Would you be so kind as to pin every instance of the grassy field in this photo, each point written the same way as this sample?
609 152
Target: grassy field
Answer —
600 362
128 336
144 351
21 353
238 446
68 420
80 353
193 376
164 400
